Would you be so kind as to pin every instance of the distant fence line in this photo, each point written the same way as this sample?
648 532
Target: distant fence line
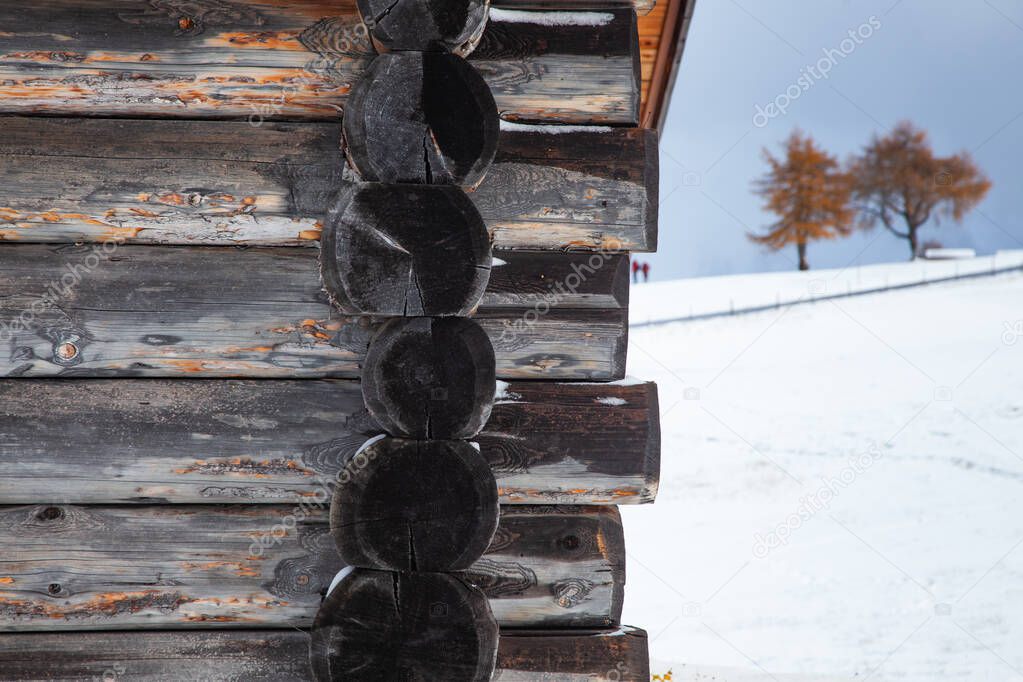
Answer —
809 296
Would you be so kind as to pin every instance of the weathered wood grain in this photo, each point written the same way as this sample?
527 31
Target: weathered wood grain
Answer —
618 655
110 567
114 441
430 378
435 25
289 60
405 251
378 626
224 183
421 118
415 506
105 310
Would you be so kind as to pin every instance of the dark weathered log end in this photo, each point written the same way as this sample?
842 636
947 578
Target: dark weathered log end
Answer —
620 350
426 26
430 377
652 180
421 118
405 250
424 627
652 456
409 505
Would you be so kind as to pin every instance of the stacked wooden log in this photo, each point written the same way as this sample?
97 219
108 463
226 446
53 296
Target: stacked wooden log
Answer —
345 394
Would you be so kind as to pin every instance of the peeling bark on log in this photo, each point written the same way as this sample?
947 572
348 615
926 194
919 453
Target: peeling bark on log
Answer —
454 26
289 60
282 656
421 118
228 183
109 311
147 441
405 250
414 505
265 566
420 627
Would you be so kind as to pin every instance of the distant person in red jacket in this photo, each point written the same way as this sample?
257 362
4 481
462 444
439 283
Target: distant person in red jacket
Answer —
635 272
646 272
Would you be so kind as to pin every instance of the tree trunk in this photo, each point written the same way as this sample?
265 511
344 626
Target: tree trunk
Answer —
803 263
913 242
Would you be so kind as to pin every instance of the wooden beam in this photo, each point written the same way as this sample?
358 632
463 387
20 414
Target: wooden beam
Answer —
111 567
676 18
290 60
617 655
281 442
229 183
120 311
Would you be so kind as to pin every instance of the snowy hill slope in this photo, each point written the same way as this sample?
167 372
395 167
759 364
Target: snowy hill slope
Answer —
842 488
699 297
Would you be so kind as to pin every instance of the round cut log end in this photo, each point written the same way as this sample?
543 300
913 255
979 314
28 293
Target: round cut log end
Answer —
421 117
407 505
454 26
417 627
430 378
405 251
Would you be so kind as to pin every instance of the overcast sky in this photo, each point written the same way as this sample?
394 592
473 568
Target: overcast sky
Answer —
954 68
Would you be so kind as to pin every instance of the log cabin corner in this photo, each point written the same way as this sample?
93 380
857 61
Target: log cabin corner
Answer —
313 332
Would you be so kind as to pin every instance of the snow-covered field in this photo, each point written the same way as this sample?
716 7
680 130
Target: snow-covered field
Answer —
702 296
841 492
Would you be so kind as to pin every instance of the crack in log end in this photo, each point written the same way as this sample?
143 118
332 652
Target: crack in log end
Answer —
109 605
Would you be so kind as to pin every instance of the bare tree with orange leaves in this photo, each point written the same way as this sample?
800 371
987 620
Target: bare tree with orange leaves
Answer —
809 193
898 181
